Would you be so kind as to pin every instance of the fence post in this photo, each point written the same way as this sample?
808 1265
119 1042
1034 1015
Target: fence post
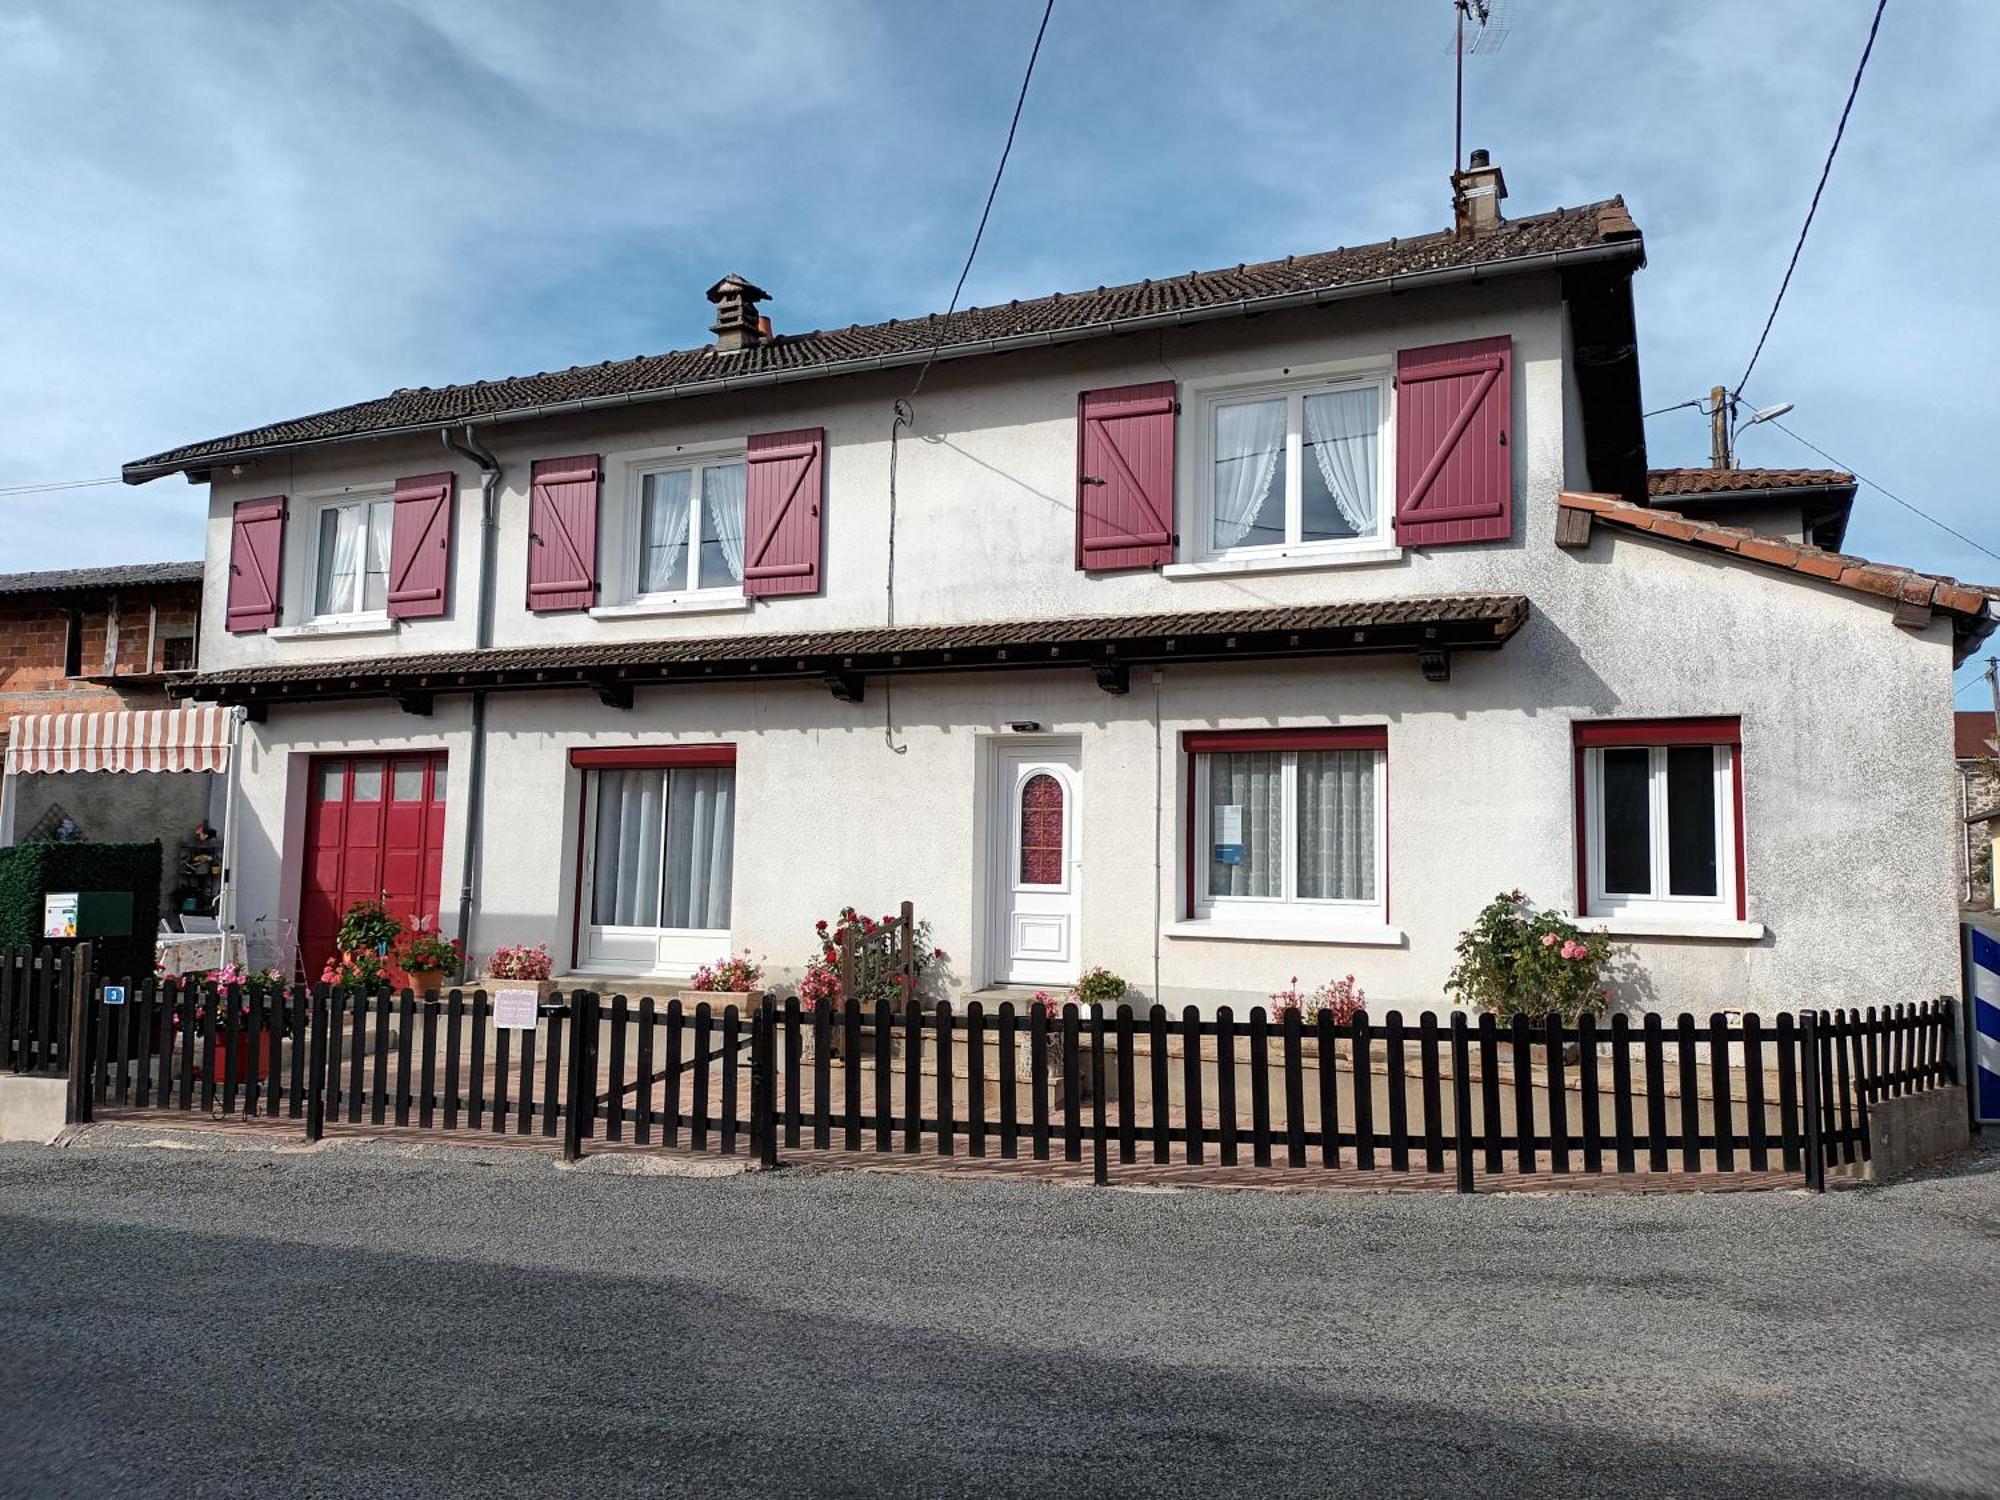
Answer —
906 948
81 1064
1809 1099
316 1065
1948 1045
1100 1172
583 1091
1461 1098
764 1097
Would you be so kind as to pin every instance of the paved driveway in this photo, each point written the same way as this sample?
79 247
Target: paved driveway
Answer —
374 1321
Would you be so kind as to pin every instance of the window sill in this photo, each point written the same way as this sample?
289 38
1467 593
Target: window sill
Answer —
687 604
1301 560
1323 934
344 625
1633 925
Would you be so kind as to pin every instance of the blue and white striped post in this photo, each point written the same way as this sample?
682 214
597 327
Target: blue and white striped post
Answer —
1985 987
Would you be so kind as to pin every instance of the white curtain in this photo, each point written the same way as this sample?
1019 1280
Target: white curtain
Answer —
664 524
722 494
339 559
627 877
1343 430
375 588
1249 446
1337 825
701 844
1252 782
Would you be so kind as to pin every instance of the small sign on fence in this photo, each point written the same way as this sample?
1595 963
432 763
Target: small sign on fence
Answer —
515 1010
114 994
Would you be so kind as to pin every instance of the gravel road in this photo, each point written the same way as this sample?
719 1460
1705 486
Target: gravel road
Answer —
387 1321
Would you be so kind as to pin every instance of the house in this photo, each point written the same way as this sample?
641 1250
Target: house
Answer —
94 748
1976 748
1218 628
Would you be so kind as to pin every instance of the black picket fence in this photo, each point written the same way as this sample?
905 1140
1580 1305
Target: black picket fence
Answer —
1470 1098
36 999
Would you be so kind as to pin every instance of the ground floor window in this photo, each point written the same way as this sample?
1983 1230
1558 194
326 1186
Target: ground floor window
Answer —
1660 817
1287 824
660 842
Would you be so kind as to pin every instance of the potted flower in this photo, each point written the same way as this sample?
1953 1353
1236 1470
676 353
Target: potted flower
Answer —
519 966
1517 960
367 925
1097 986
249 1057
426 957
361 969
736 980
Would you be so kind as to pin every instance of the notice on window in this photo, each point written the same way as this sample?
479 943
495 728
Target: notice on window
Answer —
1229 833
59 914
515 1010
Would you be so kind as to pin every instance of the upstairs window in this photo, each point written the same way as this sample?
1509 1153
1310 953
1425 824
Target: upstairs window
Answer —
1295 465
351 558
690 529
1661 818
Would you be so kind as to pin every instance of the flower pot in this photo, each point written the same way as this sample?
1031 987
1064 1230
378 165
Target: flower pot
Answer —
240 1063
545 989
426 981
717 1001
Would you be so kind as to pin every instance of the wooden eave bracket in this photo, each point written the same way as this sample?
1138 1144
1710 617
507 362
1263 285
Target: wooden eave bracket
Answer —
613 694
1572 527
844 685
1436 664
415 701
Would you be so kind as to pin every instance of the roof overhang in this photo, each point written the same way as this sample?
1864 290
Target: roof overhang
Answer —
1631 253
1109 647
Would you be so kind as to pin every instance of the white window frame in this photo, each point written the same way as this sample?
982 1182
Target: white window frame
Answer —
612 948
625 523
317 507
1294 383
1659 902
1288 904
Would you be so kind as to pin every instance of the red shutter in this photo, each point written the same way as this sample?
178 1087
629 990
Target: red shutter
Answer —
1454 466
562 534
256 556
420 546
1125 477
785 492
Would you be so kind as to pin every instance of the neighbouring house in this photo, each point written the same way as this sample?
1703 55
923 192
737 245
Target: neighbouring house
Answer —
94 748
1976 748
1219 628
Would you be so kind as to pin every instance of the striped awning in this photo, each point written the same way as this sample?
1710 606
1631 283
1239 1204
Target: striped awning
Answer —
168 739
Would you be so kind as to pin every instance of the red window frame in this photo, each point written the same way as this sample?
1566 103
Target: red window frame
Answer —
1196 742
1607 734
624 758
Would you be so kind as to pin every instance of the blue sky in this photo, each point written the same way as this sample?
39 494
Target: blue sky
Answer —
223 212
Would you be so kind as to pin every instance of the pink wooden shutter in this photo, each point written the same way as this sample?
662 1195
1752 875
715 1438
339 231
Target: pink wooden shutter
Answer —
785 491
256 556
1454 470
1125 477
420 546
562 534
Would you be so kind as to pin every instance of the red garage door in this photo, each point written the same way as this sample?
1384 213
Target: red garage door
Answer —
374 828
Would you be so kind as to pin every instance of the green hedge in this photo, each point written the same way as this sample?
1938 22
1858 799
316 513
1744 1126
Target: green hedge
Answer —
28 872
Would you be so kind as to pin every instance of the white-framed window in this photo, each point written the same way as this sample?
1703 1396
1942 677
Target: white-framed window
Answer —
1297 465
687 528
659 857
1288 825
350 557
1662 820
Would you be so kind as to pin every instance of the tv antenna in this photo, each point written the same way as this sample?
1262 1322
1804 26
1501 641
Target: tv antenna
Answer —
1488 20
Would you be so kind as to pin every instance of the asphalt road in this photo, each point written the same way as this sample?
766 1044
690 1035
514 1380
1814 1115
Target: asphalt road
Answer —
365 1322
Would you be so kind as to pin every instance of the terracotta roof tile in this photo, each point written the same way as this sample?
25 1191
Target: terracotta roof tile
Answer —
1666 483
128 575
869 346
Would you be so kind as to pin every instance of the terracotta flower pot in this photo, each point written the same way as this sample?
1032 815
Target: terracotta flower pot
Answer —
424 981
238 1064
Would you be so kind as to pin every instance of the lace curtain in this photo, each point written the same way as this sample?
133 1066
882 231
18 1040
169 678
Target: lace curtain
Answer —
1336 825
1343 431
1252 784
663 527
1249 453
722 494
665 848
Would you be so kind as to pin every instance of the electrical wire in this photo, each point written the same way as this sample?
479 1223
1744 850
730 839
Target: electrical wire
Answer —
59 484
1884 489
1825 171
1662 411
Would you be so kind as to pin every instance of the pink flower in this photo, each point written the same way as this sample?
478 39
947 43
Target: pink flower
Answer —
1575 950
1549 941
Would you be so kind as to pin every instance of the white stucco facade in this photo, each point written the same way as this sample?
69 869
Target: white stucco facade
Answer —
1848 830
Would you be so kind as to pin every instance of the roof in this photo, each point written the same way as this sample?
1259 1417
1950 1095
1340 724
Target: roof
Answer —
1107 643
1673 482
1915 594
131 575
1562 237
1973 736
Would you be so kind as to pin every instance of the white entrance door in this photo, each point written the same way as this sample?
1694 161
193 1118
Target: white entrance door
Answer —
1038 863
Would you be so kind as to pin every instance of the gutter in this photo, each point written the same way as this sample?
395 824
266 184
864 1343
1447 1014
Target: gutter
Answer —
469 446
1547 260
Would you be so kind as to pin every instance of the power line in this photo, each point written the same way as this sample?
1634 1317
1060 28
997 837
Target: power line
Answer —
1840 130
1677 406
1912 509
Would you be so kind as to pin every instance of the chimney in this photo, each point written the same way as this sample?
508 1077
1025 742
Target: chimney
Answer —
737 323
1475 195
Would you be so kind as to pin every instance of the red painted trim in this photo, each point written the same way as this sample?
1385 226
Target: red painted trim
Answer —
576 905
1188 844
1582 839
1736 779
1350 737
1598 734
649 757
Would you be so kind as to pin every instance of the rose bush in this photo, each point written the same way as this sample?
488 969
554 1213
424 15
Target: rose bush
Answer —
1516 960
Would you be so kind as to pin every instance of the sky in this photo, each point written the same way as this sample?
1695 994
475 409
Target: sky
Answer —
219 213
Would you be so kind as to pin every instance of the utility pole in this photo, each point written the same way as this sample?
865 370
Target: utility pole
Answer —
1719 456
1993 687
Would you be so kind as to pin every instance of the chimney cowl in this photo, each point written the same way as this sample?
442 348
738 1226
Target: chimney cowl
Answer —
738 325
1476 193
